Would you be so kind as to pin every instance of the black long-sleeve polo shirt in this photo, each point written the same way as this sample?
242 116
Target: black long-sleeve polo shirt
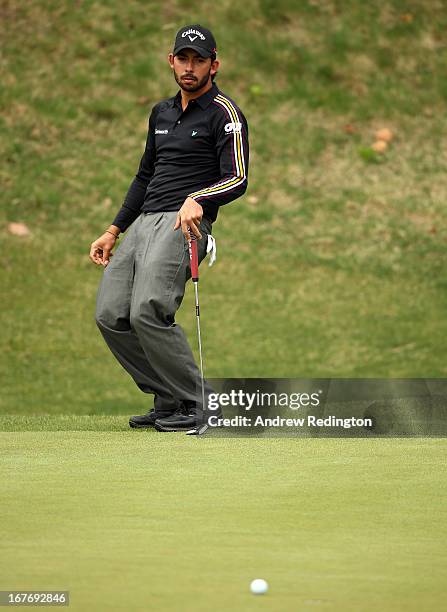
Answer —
201 152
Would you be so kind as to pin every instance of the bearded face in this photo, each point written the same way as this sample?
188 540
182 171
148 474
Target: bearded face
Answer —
191 70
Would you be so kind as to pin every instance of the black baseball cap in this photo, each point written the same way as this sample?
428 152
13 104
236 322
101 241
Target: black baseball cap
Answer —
195 37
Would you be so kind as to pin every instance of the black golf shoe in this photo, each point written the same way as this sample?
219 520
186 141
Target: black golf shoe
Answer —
184 419
148 420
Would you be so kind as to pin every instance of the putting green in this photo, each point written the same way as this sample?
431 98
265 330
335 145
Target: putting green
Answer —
134 520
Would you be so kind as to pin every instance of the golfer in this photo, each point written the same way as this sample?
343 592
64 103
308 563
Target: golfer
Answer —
195 160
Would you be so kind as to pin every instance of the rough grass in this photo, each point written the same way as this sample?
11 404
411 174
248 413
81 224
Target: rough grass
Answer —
331 265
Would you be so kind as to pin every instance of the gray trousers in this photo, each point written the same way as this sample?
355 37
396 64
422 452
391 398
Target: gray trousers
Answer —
141 289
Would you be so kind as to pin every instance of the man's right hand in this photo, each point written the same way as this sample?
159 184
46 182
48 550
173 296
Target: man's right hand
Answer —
101 249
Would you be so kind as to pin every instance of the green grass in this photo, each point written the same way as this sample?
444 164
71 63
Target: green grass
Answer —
143 521
64 422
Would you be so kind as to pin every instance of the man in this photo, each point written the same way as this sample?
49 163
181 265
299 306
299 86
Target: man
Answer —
195 160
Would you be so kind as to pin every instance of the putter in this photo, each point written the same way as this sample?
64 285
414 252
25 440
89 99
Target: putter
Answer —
194 261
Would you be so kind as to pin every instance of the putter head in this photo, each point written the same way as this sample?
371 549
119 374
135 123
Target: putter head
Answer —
197 431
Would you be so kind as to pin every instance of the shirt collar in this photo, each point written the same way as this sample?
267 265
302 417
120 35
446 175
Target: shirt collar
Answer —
203 101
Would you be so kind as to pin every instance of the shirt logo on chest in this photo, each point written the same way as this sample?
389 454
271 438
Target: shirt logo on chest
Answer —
194 133
161 131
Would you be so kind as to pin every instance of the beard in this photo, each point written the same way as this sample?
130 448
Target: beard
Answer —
194 85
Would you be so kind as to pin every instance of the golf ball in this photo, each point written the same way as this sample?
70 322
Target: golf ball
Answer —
259 586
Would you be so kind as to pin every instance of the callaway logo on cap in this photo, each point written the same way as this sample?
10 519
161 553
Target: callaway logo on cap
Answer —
197 38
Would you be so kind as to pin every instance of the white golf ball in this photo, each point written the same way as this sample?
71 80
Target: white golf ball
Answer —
259 586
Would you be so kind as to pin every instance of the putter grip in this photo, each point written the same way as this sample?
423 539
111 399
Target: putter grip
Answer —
194 259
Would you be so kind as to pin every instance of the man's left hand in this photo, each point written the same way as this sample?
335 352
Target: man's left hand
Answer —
189 218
